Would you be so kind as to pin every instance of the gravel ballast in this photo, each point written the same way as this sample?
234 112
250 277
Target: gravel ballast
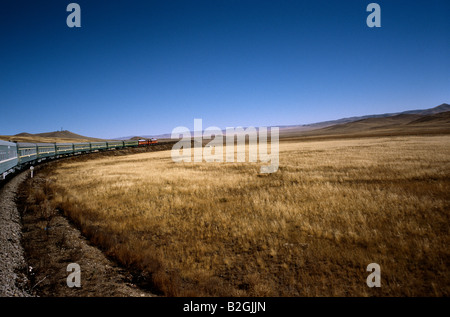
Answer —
13 280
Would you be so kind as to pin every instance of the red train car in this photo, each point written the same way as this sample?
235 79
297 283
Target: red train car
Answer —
147 142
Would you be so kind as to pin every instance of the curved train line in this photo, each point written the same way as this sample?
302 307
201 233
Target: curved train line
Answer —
15 156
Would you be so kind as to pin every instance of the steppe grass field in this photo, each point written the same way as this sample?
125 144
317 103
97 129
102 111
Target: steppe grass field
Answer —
310 229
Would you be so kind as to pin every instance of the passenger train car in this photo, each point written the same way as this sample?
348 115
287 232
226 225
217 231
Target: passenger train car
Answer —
15 156
8 157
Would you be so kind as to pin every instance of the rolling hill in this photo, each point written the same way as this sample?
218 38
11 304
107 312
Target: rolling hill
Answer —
49 137
424 121
402 124
300 129
64 135
375 121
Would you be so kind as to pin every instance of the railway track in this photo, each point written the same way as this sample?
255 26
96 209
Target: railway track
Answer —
14 264
13 280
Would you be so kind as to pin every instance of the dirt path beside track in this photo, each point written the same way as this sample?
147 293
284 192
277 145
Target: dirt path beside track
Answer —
35 251
13 280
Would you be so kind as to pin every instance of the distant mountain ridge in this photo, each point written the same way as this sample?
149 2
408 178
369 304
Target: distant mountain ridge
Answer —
401 124
432 119
441 108
288 129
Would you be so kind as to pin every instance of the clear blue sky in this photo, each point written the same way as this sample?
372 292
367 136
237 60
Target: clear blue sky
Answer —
146 67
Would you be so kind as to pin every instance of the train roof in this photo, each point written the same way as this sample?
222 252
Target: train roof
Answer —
45 144
7 143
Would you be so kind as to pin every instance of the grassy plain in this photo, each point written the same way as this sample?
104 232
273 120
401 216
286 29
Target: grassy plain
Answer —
310 229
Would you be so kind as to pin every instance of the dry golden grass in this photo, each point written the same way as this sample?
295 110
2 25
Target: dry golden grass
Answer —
310 229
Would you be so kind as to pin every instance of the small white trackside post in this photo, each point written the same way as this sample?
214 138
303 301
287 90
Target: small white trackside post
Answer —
31 168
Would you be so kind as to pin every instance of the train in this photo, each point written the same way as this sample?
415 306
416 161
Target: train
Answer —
148 142
15 156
